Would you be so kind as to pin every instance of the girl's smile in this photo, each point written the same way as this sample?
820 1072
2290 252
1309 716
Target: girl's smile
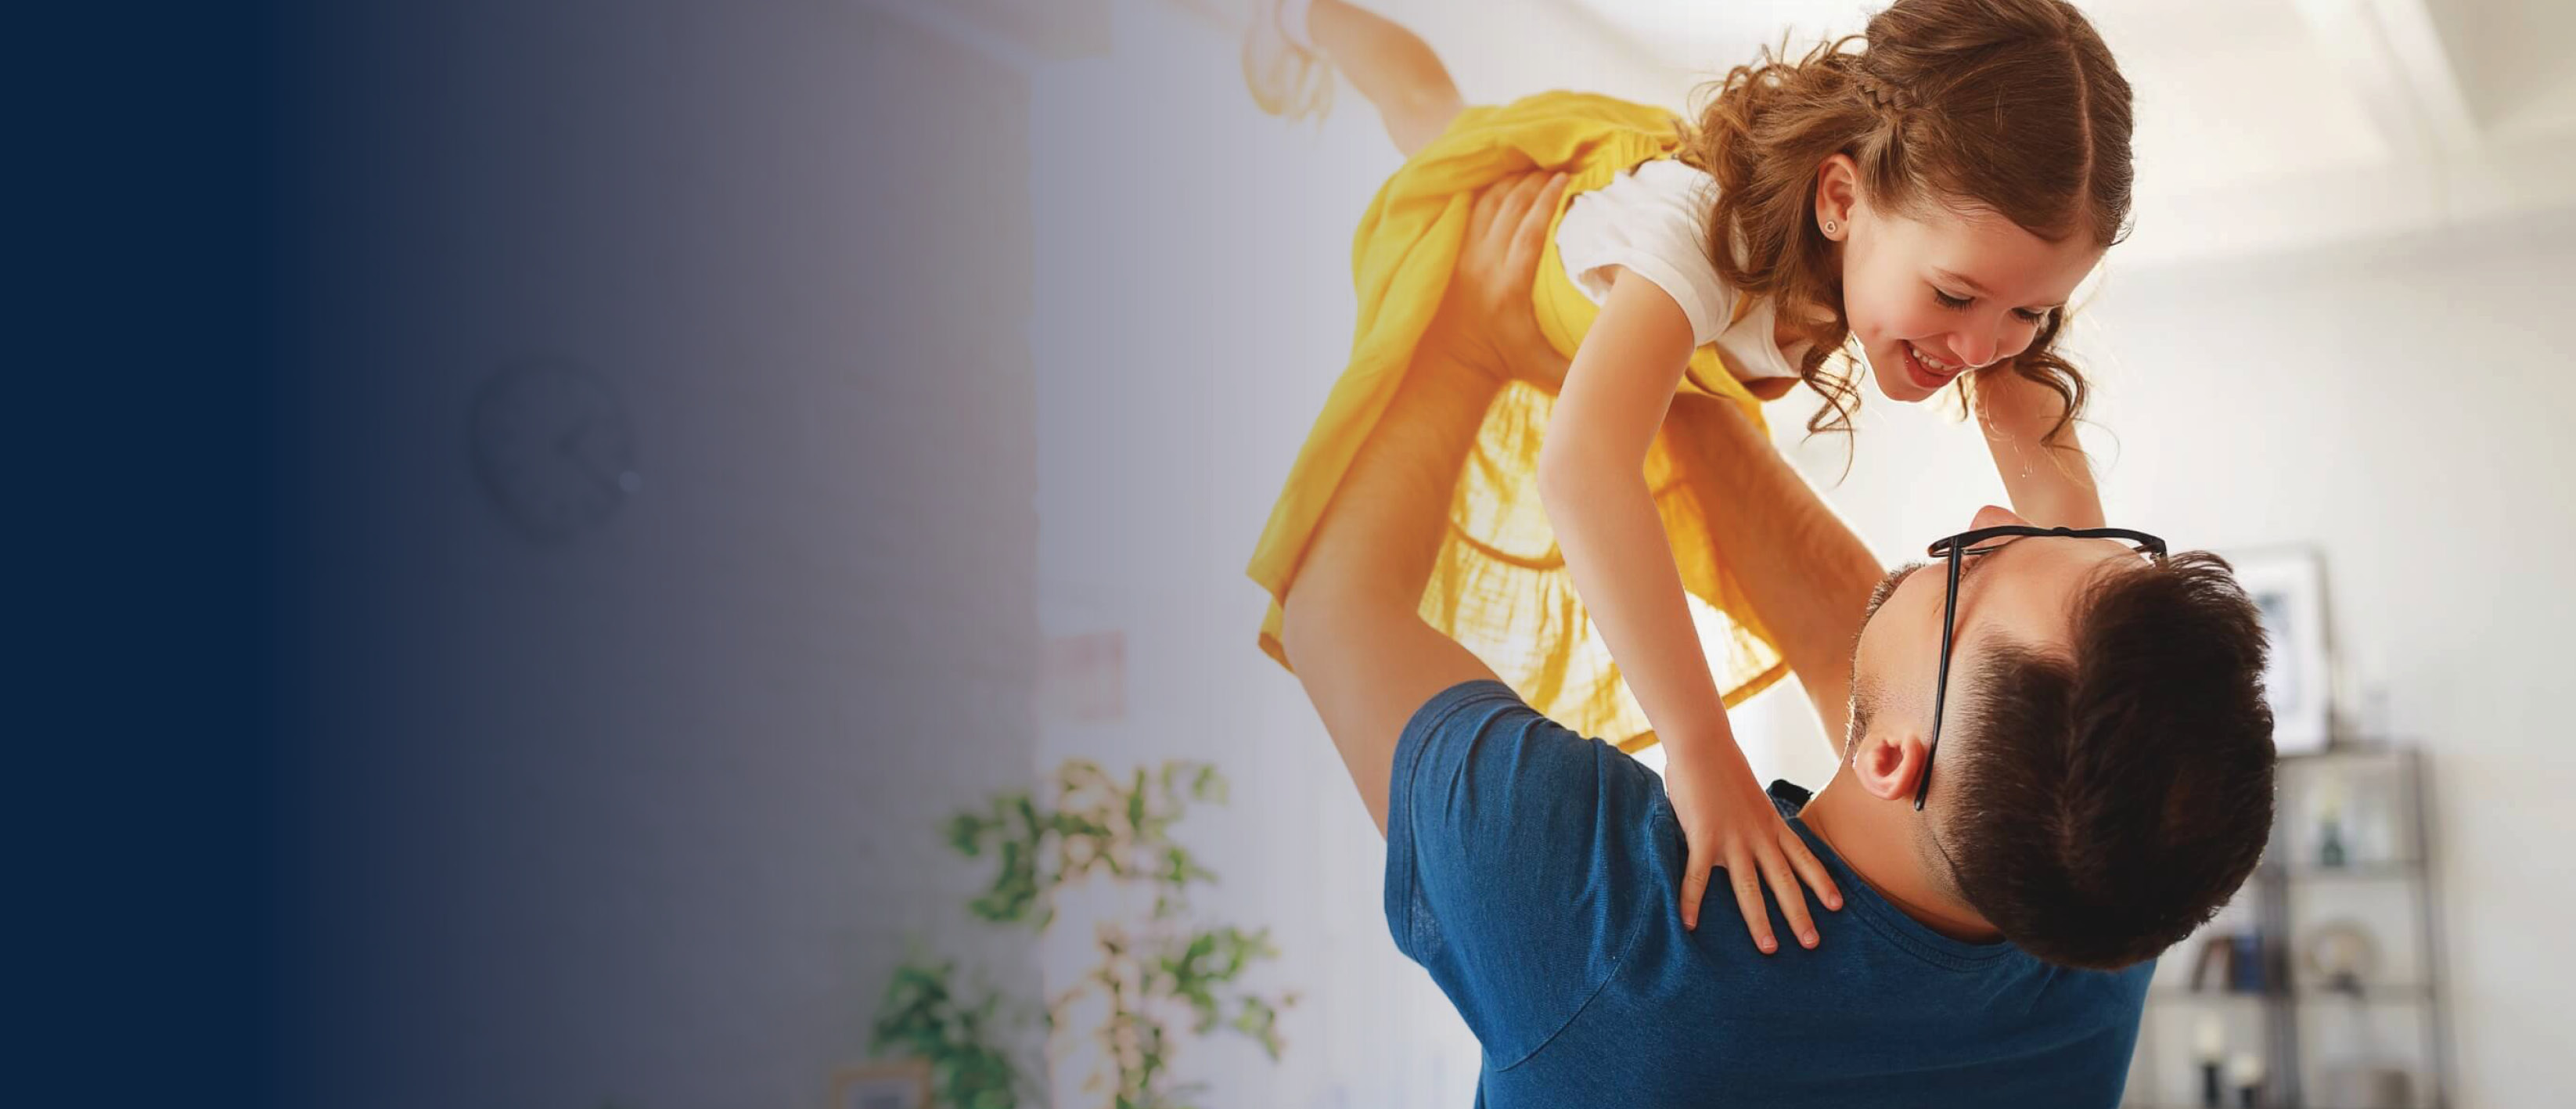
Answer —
1929 373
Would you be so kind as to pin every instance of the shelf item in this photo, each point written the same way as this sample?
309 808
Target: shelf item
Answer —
2367 1086
2371 993
2331 949
2340 955
2394 870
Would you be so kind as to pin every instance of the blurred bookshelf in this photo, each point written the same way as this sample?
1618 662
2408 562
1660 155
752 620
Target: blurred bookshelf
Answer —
2322 982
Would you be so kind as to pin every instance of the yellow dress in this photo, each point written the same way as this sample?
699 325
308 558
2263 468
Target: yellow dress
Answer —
1500 586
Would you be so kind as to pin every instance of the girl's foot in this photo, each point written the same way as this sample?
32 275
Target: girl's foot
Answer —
1287 77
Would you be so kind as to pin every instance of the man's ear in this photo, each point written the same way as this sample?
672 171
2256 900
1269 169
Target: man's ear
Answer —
1889 761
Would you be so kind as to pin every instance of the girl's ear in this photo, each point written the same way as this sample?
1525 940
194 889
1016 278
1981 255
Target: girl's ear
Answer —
1837 192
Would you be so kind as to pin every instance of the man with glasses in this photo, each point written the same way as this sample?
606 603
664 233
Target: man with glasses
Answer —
2092 704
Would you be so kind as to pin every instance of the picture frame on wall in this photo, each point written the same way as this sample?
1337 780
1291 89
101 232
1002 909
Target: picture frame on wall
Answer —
2287 586
903 1084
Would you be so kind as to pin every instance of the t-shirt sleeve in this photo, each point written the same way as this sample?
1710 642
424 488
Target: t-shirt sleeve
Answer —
1651 221
1520 862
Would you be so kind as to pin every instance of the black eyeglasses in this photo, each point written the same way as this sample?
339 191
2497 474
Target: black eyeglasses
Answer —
1954 550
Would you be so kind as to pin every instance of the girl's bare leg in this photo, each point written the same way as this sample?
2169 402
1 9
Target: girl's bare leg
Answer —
1391 66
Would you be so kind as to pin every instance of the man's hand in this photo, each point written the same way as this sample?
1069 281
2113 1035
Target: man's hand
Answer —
1487 319
1728 821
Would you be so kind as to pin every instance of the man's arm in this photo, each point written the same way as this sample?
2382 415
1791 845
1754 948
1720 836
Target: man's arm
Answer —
1521 858
1805 572
1351 623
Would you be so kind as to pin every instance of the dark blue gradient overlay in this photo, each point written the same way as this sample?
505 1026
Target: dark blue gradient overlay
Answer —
537 521
144 404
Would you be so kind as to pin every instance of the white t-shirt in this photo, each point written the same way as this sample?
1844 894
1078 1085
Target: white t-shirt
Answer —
1650 219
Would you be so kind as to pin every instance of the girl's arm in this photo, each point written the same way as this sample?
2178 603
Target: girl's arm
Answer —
2050 482
1591 477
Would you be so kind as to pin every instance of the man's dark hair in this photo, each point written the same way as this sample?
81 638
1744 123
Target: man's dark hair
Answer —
2105 806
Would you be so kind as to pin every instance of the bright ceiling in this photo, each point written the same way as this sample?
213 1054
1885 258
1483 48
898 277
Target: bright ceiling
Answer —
2268 124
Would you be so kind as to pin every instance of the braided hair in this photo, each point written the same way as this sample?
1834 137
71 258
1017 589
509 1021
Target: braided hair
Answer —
2011 106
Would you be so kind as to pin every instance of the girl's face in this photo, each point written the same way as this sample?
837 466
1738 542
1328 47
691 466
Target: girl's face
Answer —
1933 297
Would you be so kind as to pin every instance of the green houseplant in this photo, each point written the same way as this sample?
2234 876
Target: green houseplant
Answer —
1152 971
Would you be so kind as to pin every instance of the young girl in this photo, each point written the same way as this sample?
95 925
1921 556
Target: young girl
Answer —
1924 205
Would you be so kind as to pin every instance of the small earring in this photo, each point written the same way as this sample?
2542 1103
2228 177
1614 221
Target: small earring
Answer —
1830 226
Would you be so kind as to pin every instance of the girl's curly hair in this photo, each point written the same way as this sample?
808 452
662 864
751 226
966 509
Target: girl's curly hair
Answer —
2012 106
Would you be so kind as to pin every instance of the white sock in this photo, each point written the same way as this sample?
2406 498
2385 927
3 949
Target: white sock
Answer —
1292 24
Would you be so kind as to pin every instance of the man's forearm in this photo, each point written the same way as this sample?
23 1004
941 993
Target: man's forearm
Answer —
1386 523
1807 574
1352 622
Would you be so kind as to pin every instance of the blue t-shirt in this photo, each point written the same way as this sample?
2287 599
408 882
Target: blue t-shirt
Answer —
1537 874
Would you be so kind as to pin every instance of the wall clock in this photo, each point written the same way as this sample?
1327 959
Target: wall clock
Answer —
553 451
